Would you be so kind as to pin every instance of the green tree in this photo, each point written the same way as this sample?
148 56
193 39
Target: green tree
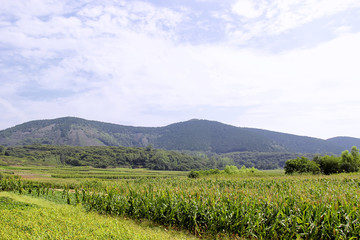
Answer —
330 164
301 165
355 153
356 158
231 169
2 150
225 161
212 162
350 161
317 158
161 160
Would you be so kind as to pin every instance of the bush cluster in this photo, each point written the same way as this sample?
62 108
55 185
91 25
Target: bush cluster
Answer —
347 162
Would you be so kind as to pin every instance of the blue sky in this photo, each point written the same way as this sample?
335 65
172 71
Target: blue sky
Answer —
289 66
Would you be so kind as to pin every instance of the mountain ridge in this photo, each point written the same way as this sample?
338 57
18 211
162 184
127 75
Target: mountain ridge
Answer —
192 135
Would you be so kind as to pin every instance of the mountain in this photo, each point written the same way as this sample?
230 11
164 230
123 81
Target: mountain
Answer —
345 142
192 135
203 135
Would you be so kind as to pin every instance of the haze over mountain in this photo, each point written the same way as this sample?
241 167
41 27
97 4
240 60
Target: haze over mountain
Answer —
192 135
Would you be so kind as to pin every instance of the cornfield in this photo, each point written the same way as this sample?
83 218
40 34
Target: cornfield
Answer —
305 207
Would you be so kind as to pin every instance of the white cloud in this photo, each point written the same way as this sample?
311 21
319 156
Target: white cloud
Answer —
19 9
248 8
296 88
318 92
281 16
121 63
342 30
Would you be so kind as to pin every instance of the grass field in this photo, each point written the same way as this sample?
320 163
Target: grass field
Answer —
269 205
25 217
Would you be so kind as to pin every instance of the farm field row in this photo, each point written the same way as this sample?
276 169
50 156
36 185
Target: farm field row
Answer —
74 175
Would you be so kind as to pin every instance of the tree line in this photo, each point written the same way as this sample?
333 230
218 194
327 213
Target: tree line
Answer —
103 157
147 157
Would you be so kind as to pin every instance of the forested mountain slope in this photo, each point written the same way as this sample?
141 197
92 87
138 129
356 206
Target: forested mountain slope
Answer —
302 144
193 135
75 132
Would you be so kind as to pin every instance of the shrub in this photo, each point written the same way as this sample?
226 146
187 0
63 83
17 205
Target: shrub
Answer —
301 165
350 161
330 164
231 169
194 174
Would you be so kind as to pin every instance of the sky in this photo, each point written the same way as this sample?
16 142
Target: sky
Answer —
289 66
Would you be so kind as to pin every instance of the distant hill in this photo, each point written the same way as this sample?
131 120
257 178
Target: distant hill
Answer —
192 135
345 142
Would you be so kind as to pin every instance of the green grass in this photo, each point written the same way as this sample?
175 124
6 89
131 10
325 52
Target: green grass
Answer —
7 203
24 217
